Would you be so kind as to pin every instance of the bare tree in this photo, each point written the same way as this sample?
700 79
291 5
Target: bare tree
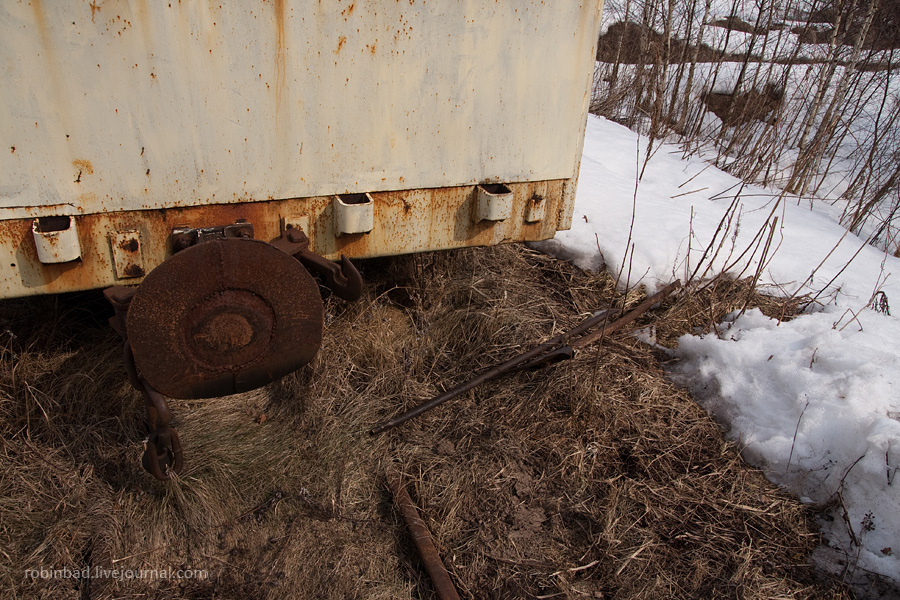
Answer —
811 92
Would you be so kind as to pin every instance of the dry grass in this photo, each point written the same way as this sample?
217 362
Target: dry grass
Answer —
706 304
593 478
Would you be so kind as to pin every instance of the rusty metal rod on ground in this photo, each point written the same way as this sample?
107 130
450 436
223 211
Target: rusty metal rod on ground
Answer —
490 374
632 316
443 585
537 355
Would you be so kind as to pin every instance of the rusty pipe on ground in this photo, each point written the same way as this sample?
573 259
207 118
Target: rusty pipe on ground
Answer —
500 369
557 348
632 316
443 585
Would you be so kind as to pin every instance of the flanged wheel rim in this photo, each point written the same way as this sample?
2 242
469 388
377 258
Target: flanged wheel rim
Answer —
223 317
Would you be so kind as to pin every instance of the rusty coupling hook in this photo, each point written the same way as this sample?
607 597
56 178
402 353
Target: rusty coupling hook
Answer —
343 279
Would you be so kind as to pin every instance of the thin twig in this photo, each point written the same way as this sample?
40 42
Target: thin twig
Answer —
794 441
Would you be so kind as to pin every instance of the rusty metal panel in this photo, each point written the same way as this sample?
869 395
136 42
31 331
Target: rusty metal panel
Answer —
119 243
137 118
125 106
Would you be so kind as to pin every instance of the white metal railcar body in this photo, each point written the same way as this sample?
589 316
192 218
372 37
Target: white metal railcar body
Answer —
370 125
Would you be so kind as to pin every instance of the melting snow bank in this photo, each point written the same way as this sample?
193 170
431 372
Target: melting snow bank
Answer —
815 402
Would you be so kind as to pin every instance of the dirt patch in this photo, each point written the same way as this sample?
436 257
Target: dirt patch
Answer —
735 24
813 35
595 477
883 33
624 42
741 108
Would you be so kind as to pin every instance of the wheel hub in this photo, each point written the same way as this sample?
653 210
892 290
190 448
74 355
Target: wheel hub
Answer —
222 317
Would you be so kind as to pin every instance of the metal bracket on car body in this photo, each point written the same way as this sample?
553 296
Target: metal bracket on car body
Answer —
344 279
184 237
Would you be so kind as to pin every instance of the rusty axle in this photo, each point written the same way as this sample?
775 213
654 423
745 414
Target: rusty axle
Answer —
557 348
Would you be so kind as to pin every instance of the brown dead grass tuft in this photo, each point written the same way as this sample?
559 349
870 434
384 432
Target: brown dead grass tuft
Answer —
704 305
592 478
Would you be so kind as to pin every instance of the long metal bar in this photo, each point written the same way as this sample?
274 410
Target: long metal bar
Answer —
443 585
504 367
632 316
536 355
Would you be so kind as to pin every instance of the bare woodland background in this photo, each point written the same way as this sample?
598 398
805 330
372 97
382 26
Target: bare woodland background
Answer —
800 95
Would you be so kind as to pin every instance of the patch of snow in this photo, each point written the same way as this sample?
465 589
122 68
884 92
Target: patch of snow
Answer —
814 401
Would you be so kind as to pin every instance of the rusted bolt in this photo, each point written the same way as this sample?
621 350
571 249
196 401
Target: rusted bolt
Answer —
296 236
225 332
134 271
130 245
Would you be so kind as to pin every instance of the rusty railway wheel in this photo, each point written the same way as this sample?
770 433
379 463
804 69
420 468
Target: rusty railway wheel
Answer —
223 317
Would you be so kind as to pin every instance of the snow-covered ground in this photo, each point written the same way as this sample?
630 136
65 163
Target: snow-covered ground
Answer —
815 401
